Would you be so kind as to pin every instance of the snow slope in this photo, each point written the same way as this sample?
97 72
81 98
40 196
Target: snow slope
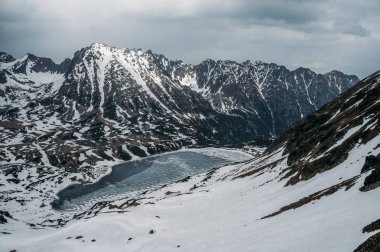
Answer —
222 214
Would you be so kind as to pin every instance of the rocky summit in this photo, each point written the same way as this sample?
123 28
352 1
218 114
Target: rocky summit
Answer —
113 104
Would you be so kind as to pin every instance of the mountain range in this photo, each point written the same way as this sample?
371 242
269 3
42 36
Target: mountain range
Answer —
109 104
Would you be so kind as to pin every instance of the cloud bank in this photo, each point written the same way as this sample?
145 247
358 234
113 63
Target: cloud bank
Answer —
323 35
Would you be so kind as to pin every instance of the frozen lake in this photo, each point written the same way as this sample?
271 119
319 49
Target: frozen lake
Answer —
139 175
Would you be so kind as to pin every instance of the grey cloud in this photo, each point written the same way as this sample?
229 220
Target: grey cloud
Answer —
291 12
355 29
325 34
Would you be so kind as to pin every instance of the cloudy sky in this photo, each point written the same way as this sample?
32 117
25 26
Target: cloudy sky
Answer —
319 34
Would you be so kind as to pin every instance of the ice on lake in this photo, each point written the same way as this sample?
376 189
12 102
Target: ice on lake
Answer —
139 175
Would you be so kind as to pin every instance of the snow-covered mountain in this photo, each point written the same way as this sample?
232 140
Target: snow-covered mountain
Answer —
114 104
316 188
268 93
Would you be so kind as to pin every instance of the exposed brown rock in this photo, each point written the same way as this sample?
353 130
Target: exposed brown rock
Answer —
372 244
372 227
254 171
315 196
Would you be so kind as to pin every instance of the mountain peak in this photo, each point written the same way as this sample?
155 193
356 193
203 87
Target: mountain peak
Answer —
101 46
341 74
334 72
6 58
31 57
97 44
303 70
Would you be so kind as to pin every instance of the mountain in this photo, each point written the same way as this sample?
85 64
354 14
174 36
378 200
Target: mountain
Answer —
316 187
268 93
109 104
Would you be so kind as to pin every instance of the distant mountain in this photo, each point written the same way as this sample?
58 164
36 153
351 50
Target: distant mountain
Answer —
113 104
265 92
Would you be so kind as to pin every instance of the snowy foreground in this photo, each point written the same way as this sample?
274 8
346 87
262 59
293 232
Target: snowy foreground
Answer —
220 212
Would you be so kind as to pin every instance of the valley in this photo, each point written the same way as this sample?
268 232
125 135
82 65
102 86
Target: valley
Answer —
125 149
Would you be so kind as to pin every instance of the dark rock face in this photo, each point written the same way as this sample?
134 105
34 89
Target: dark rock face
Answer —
372 181
108 103
6 58
4 216
372 244
3 77
373 177
37 64
371 162
372 227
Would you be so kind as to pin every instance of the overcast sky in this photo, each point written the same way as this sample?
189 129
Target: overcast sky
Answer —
320 34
